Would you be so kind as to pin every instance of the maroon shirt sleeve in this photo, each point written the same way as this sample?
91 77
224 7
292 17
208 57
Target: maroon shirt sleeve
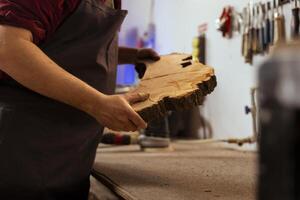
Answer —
41 17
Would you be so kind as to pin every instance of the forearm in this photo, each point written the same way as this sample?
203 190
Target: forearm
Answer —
127 55
27 64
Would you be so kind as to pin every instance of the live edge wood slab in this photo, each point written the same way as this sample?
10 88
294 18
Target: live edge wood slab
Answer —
175 82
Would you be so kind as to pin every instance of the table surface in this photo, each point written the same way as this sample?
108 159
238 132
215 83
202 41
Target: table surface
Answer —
192 171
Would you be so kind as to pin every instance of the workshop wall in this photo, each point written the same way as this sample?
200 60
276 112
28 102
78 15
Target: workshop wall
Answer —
176 23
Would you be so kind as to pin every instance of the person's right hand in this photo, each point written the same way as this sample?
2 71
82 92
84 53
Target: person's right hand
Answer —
116 113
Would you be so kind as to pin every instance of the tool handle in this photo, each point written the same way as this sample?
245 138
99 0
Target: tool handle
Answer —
296 22
268 35
116 139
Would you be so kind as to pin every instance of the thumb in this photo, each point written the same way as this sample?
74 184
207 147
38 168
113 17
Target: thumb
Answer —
140 68
136 97
148 54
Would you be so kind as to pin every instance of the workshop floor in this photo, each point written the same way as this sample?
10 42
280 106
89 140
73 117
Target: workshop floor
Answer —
193 171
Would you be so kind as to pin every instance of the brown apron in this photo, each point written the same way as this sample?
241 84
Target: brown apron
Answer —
47 148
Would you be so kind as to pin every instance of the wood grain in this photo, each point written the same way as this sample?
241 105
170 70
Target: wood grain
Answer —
174 83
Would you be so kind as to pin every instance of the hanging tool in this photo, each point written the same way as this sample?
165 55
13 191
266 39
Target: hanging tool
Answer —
260 29
279 26
224 23
273 21
247 35
249 38
295 21
267 25
245 30
253 111
264 16
254 30
199 44
237 21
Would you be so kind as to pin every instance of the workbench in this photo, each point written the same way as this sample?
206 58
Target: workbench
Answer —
192 171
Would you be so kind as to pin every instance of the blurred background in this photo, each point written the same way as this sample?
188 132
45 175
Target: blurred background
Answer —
253 47
176 24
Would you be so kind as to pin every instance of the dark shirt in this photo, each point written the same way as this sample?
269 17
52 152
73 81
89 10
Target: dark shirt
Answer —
41 17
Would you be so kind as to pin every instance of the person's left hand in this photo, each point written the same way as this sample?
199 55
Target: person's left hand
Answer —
144 55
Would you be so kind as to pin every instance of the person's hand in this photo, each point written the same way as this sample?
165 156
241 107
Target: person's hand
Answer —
115 112
144 55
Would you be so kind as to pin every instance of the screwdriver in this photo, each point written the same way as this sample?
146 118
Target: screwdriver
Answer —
295 21
279 25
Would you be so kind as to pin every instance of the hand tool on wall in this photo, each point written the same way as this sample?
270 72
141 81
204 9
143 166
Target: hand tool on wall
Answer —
245 31
263 8
295 21
267 24
249 38
260 29
253 111
199 44
237 21
273 21
224 23
279 25
254 30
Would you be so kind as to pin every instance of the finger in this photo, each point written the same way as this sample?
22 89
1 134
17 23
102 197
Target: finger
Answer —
140 69
137 97
151 54
128 125
148 54
155 56
125 124
118 124
136 119
131 126
114 128
119 127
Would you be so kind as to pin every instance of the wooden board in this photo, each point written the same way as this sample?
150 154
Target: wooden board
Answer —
174 83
